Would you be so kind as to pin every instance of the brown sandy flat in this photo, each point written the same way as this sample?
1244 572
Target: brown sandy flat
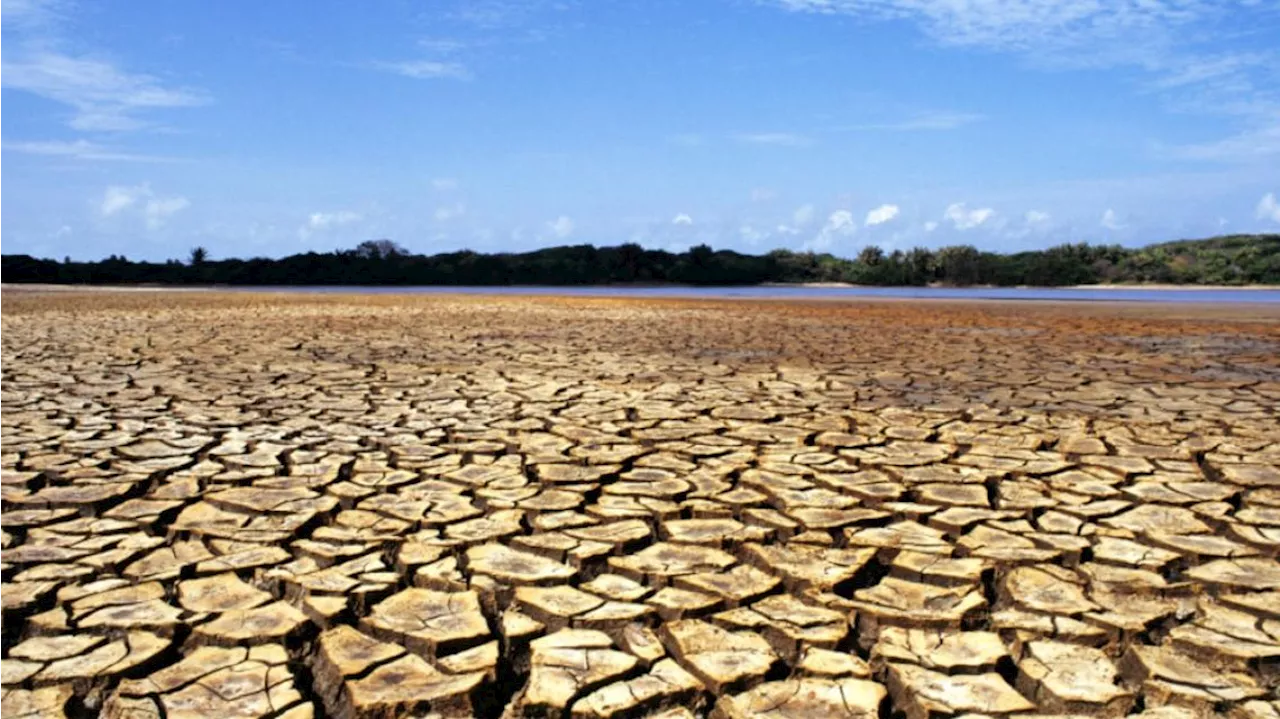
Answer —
252 505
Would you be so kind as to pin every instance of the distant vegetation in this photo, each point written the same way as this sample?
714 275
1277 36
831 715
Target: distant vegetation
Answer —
1231 260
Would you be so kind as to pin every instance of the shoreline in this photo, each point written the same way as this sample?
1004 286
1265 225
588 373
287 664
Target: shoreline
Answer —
1163 287
1153 286
49 287
470 289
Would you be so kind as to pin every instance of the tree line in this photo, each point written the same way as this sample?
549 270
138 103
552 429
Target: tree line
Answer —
1228 260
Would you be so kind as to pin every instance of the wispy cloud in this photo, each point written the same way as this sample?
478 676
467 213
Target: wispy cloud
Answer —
444 45
79 150
1269 208
141 199
425 69
1247 146
753 235
959 214
1174 44
1199 69
322 221
469 27
158 209
101 94
562 226
781 139
921 122
839 225
31 14
117 198
103 97
500 14
1033 26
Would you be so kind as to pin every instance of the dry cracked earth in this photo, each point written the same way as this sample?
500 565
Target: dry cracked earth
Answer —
289 506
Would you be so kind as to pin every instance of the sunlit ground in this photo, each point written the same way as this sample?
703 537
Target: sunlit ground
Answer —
289 506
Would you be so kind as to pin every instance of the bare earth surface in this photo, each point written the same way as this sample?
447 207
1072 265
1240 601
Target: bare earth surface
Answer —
281 506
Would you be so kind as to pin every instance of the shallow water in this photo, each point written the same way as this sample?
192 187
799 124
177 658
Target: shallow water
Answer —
966 293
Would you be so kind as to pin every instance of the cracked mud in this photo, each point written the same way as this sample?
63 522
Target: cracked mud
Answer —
290 506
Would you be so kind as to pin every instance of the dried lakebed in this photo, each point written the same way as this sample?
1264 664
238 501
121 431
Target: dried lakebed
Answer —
295 506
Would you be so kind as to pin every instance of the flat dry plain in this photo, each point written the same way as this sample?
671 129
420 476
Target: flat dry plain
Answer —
220 505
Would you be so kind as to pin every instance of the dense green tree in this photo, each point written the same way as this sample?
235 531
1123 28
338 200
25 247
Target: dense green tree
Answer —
960 265
379 250
1230 260
871 256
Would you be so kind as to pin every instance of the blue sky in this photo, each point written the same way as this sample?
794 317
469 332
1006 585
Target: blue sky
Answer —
263 129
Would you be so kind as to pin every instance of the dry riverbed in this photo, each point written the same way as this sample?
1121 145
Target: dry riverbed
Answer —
238 505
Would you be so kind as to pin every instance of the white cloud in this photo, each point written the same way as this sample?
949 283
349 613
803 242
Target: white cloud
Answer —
1176 44
781 139
444 183
763 194
881 215
29 12
1035 223
802 216
496 14
78 150
104 97
321 221
1269 208
1194 70
118 198
444 213
1110 220
787 230
426 69
1035 26
841 222
930 226
682 219
751 235
561 227
1255 144
158 210
965 219
840 225
154 209
325 220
